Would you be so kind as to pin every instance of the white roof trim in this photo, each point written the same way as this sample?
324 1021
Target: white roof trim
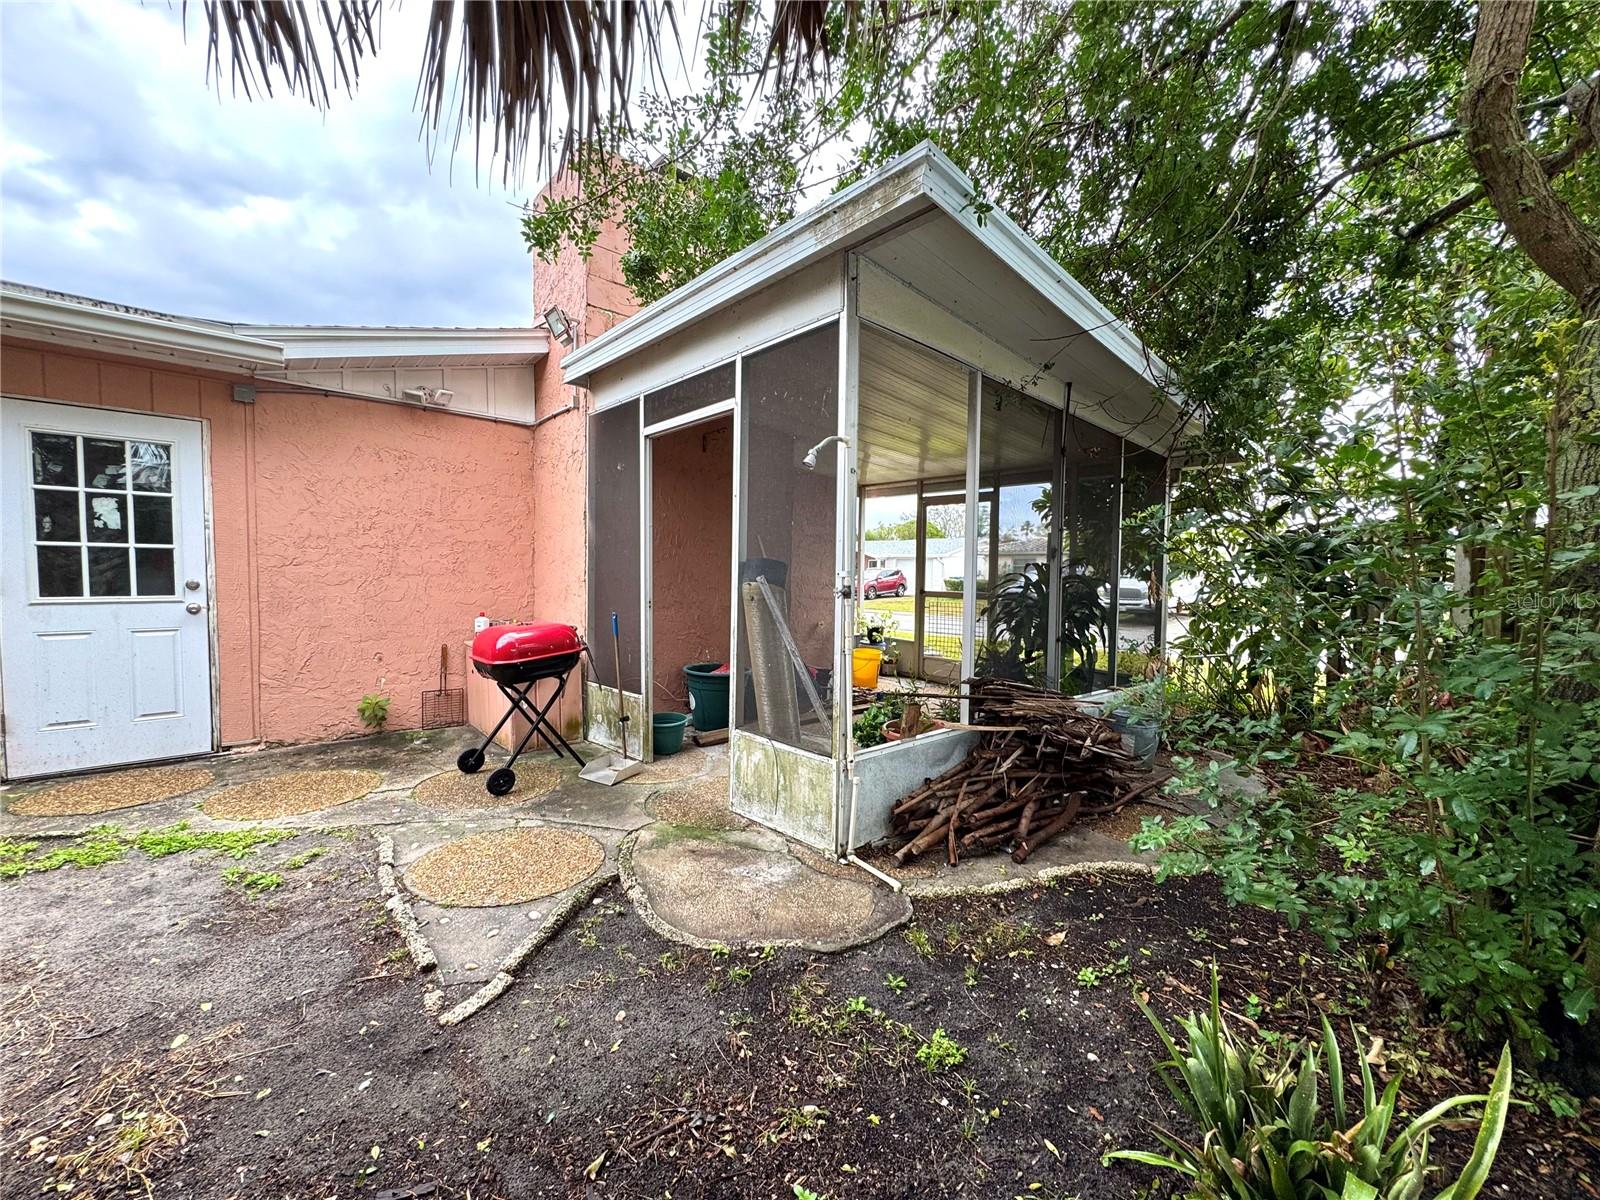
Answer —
50 319
921 176
359 342
247 349
792 245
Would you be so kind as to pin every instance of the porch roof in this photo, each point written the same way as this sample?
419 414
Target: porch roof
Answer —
917 222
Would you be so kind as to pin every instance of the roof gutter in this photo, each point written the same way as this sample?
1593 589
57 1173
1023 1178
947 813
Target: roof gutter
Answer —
50 319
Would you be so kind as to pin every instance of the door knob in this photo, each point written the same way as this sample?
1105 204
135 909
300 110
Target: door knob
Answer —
192 585
191 607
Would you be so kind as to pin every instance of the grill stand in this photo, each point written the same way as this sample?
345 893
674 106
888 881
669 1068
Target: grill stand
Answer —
503 779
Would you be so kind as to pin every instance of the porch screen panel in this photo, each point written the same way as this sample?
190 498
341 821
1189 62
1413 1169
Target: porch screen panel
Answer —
1089 578
1142 595
614 541
789 400
686 395
1019 438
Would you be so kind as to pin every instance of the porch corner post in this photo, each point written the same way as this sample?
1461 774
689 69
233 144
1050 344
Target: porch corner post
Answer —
847 559
1056 539
969 586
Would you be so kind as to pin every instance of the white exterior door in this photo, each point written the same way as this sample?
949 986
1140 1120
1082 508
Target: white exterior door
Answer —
105 648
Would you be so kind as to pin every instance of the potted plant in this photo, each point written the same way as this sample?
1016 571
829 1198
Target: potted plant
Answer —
868 728
1138 713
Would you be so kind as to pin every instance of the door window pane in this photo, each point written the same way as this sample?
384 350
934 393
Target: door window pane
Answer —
156 576
55 459
104 463
60 571
108 517
151 464
55 515
108 572
152 520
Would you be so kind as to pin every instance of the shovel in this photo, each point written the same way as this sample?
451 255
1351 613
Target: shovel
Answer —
614 768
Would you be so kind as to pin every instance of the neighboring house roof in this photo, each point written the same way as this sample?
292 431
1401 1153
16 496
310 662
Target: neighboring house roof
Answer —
937 547
920 182
1032 545
258 350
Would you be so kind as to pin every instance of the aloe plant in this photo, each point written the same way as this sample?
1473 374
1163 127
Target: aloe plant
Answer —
1265 1134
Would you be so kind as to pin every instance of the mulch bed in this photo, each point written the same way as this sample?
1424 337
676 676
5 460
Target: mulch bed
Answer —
504 866
291 794
451 791
104 793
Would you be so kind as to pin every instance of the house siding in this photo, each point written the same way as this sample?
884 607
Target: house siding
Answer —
350 538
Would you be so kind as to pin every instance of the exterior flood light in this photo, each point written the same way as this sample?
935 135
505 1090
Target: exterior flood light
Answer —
810 460
560 324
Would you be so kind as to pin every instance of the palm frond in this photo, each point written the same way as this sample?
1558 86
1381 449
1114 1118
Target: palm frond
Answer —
559 74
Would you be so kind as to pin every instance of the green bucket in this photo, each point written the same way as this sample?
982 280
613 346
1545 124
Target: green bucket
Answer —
708 695
666 733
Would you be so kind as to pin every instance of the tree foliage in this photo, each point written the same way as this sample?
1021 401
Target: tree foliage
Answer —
1392 509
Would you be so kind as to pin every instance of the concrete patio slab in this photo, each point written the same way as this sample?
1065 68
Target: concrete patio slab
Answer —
744 888
471 943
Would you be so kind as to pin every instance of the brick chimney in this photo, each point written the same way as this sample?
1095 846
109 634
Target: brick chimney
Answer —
591 292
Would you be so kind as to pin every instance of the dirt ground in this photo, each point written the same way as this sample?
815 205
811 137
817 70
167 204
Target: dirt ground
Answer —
163 1026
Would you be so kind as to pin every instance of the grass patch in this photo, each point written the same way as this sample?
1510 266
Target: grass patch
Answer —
108 843
101 845
254 882
180 839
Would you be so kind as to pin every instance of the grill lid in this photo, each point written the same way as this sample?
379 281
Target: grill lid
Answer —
525 643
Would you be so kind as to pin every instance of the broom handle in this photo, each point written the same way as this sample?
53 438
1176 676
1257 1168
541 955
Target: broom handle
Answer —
616 658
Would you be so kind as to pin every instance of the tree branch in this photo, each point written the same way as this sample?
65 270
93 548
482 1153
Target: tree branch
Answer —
1514 179
1552 164
1373 161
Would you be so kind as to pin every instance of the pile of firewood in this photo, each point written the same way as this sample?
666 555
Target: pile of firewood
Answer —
1042 762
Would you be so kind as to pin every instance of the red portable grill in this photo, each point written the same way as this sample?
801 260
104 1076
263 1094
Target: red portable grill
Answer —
517 657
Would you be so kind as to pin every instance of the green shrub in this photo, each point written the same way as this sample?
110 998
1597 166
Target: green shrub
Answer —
1490 923
1264 1134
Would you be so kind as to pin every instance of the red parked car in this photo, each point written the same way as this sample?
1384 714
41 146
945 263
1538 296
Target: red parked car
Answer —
885 583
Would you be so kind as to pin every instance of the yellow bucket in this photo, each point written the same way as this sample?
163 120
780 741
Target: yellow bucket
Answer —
864 664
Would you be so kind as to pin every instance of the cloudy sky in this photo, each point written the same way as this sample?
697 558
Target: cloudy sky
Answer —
124 177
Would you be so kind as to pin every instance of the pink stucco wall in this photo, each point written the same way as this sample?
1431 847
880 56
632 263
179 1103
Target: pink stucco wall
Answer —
351 538
593 295
691 567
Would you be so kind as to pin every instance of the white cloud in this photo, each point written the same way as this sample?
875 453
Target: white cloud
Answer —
124 176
